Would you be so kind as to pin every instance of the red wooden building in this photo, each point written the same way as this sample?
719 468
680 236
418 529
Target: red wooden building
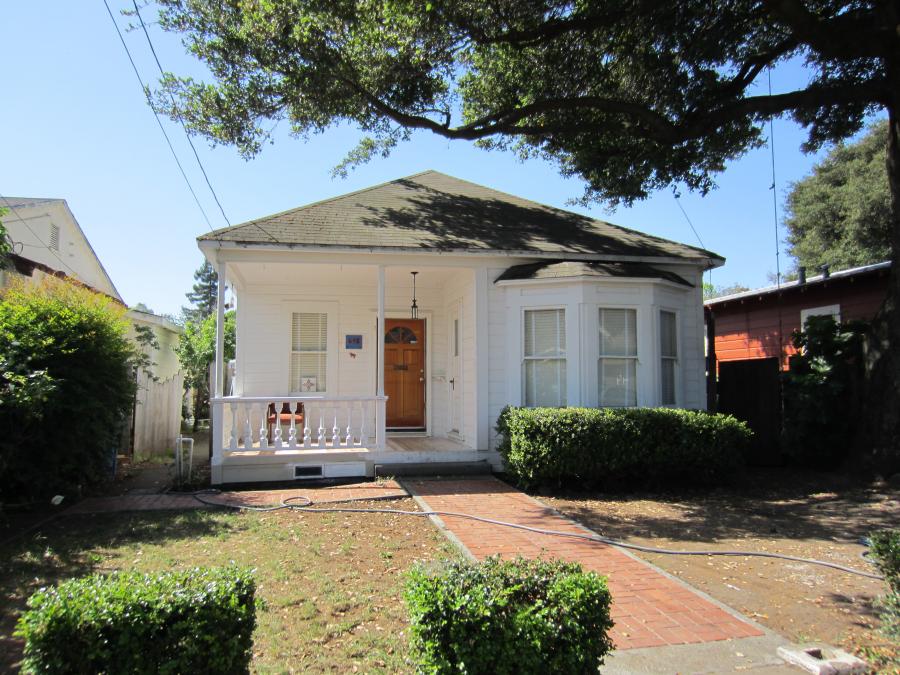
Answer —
758 324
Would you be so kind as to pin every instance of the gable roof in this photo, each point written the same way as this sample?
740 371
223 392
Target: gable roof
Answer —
59 213
431 211
567 269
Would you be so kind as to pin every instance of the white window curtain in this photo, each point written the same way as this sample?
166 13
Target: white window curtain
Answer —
544 362
668 350
617 366
309 352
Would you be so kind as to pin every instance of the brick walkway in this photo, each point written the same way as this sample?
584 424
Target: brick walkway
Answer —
649 608
168 501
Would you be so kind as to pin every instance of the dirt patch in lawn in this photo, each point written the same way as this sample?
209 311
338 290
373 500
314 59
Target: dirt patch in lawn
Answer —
332 583
812 516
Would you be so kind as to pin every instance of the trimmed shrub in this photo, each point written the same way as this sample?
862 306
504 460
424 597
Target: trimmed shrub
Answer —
595 447
508 616
884 547
66 387
197 621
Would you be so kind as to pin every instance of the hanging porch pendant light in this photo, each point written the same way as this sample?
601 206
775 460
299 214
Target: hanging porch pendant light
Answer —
414 308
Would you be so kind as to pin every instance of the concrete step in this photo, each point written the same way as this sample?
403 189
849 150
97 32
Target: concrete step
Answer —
433 468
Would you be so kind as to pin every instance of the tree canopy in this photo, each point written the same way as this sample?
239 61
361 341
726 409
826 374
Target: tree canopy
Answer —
631 96
840 215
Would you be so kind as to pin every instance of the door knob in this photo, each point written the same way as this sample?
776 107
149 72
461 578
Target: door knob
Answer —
421 379
453 383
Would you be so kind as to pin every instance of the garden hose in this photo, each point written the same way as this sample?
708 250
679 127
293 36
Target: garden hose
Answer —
305 504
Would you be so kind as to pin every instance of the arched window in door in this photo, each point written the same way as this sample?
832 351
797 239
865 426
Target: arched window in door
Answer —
400 335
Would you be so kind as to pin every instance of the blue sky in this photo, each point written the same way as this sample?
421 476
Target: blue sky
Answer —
75 126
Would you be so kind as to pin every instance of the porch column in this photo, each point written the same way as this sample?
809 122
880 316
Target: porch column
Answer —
219 380
379 364
217 410
482 359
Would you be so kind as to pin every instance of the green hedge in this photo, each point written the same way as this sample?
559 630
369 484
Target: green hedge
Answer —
884 547
646 447
514 616
198 621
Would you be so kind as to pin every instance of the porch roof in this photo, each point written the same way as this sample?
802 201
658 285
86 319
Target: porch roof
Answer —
567 269
431 211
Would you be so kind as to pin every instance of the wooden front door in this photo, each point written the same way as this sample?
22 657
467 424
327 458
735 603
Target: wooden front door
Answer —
404 372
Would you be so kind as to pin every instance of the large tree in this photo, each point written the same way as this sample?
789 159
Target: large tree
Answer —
840 215
629 95
203 295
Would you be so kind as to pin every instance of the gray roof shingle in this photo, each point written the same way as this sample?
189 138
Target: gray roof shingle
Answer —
568 269
431 211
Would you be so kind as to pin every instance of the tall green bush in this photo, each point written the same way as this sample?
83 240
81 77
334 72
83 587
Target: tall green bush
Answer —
198 621
822 391
885 551
67 386
622 447
501 617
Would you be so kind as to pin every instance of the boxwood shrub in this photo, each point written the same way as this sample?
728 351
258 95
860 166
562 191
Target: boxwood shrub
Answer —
645 447
196 621
508 616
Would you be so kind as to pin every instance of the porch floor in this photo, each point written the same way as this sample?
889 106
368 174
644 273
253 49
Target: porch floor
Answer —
400 443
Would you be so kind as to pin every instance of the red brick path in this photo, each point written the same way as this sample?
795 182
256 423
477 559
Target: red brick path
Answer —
649 608
383 490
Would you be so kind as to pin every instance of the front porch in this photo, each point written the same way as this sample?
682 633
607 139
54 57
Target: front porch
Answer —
362 386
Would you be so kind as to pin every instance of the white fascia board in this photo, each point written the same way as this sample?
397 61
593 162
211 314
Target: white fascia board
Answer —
237 251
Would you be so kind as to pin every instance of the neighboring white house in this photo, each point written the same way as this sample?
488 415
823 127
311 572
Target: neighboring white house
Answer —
47 240
156 418
515 303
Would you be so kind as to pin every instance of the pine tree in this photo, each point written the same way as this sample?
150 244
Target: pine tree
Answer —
203 295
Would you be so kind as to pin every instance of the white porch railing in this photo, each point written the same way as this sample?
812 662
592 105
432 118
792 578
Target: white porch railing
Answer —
244 423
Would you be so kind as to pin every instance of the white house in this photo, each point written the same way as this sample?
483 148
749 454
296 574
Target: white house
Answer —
387 328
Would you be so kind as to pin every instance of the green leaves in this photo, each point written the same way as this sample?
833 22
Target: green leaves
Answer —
199 620
67 386
840 215
508 616
622 447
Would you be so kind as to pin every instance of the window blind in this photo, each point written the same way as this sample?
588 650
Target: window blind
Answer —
617 366
668 350
544 362
309 352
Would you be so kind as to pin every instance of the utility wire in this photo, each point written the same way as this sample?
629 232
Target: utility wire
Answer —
155 115
677 197
12 210
137 12
774 192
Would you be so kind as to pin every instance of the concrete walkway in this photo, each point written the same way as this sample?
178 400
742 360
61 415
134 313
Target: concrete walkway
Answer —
650 608
170 500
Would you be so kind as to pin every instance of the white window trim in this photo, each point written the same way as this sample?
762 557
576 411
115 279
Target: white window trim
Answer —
636 358
565 358
824 310
676 359
333 342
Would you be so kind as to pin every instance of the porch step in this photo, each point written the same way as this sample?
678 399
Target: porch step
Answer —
433 468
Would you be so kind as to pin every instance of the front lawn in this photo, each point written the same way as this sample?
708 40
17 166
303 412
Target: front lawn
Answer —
808 515
332 583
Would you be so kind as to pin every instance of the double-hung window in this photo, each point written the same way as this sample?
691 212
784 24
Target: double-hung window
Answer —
617 366
668 352
309 352
544 362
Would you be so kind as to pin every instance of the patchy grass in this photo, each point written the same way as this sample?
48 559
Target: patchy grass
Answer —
820 516
332 583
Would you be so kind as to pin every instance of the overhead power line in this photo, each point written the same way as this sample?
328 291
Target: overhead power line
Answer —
156 115
187 134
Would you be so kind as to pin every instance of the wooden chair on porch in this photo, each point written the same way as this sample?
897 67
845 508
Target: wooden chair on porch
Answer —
284 420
